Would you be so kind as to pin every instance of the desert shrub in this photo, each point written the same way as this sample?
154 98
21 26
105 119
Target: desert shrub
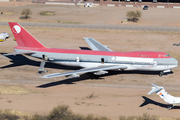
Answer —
131 118
127 118
61 112
8 114
91 96
76 117
26 13
92 117
146 116
64 113
122 117
133 15
38 117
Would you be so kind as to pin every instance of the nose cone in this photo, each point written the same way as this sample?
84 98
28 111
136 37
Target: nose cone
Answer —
174 62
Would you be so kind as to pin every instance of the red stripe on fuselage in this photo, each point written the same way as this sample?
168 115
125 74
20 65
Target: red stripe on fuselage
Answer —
140 54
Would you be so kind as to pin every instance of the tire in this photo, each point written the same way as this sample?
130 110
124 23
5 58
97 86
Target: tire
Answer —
161 74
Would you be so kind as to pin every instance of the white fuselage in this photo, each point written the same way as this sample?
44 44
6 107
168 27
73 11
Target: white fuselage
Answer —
169 98
86 61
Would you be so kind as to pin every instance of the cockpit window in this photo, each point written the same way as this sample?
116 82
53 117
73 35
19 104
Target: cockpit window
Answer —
166 55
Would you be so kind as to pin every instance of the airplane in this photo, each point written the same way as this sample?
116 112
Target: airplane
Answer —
173 101
4 36
99 60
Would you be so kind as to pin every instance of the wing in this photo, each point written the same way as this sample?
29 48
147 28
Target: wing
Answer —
98 71
18 53
95 45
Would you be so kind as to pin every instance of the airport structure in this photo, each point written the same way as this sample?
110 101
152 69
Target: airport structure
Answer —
126 3
118 3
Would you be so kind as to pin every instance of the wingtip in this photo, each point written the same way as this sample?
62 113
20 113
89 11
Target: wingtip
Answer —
50 75
155 85
85 38
44 76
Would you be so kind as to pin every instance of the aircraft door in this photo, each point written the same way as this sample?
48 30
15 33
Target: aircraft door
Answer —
113 59
44 57
77 59
102 60
155 63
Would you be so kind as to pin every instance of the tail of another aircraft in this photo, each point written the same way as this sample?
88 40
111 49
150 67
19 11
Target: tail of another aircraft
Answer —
24 38
162 93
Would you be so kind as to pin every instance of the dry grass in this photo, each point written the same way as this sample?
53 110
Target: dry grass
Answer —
12 89
7 13
69 22
47 13
61 112
91 96
13 115
146 116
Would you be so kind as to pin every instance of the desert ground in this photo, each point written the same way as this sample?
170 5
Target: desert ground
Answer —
96 15
114 94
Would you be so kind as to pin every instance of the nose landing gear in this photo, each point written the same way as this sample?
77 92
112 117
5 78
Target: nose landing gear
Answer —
161 74
165 72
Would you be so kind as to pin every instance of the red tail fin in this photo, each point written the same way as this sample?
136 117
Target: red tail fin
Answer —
24 38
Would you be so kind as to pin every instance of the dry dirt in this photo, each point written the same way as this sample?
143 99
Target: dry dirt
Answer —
118 93
97 15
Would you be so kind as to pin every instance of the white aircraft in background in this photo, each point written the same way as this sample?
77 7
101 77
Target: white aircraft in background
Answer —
99 60
3 36
173 101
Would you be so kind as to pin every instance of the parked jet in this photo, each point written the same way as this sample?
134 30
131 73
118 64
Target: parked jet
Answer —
99 60
173 101
4 36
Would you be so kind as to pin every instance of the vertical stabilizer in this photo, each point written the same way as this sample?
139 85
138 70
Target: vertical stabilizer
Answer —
24 38
155 88
162 93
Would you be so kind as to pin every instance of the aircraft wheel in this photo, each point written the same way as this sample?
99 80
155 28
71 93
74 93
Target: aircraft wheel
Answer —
170 107
161 74
42 72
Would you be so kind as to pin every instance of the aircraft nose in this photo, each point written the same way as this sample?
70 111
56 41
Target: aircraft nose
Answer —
174 61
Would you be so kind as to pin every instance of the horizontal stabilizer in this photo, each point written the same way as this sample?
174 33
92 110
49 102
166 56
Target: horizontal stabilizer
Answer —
85 70
95 45
155 89
18 53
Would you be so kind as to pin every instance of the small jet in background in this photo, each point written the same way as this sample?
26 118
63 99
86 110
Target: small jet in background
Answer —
4 36
173 101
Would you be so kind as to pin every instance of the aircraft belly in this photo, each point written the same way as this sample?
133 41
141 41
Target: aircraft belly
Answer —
177 100
153 68
146 67
88 65
76 64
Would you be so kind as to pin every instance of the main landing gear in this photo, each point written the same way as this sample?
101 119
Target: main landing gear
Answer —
165 72
170 107
41 69
161 74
